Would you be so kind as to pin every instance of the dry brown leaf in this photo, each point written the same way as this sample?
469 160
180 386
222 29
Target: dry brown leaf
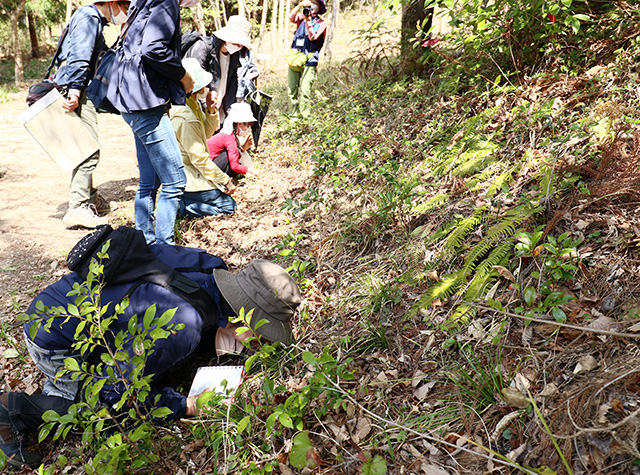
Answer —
362 429
549 390
504 272
285 470
585 364
603 323
515 398
423 390
430 469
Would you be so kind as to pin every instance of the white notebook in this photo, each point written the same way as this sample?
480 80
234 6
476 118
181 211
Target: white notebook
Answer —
213 377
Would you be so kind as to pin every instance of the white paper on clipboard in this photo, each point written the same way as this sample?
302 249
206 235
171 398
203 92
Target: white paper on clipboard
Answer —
62 135
213 377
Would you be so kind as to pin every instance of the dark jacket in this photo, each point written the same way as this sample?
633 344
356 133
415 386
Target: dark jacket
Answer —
168 352
80 48
242 68
147 69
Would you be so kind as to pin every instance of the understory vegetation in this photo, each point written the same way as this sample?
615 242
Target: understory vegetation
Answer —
466 241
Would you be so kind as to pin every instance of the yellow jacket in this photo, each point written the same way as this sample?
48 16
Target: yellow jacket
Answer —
192 127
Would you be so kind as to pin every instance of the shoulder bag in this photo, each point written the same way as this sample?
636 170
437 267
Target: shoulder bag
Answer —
98 87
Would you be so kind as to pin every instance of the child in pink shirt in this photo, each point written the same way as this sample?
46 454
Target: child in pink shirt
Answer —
229 146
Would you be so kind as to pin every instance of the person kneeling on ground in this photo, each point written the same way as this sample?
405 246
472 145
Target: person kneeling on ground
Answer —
208 188
228 148
262 286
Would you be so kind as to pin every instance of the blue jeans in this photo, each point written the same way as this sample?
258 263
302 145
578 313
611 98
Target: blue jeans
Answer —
195 204
50 362
160 163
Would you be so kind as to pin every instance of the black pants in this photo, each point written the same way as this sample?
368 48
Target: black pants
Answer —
25 412
222 162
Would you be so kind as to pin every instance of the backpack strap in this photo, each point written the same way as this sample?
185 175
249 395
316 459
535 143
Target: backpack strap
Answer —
63 35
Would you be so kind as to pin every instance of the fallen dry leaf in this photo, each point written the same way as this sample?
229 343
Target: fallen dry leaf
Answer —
423 390
504 272
515 398
587 363
362 429
430 469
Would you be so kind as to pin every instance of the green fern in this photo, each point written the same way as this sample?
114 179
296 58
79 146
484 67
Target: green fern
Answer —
458 236
444 289
433 203
506 227
502 179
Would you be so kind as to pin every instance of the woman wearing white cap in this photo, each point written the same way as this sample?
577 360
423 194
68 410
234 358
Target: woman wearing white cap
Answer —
227 56
228 148
208 188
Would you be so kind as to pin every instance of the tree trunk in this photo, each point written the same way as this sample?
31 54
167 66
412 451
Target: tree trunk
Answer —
274 30
69 12
33 35
263 23
242 9
14 17
335 13
224 11
282 25
416 19
216 18
198 19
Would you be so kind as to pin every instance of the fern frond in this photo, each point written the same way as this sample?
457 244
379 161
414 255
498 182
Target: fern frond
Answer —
503 229
433 203
444 289
464 228
502 179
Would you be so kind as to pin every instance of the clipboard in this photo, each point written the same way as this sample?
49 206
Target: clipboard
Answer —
62 135
213 377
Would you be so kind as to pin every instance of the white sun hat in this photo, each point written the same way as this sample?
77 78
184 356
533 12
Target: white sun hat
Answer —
201 78
237 30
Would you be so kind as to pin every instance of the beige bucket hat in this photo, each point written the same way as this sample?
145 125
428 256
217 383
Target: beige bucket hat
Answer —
266 288
237 30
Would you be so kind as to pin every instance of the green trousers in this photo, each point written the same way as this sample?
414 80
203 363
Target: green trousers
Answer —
82 190
300 84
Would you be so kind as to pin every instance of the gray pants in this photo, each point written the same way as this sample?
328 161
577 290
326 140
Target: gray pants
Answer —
82 190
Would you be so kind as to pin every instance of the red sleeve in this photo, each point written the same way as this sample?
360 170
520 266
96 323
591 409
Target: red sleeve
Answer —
234 156
221 142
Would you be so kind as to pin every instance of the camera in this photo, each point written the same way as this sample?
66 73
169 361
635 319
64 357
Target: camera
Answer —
306 11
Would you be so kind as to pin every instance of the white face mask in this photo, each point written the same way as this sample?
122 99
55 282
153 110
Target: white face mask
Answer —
118 19
231 48
188 3
201 96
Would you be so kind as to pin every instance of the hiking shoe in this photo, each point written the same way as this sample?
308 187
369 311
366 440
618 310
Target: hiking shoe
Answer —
103 206
84 215
17 457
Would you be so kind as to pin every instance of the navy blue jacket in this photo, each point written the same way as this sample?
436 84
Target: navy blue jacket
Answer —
168 352
80 48
147 70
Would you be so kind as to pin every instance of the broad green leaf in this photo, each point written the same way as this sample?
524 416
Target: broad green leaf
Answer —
308 358
299 452
559 315
374 466
149 315
243 424
139 433
530 296
285 420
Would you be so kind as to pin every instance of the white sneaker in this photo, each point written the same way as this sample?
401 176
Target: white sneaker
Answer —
84 215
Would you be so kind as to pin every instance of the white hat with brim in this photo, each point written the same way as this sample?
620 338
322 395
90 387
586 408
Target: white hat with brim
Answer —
240 112
268 290
237 30
201 78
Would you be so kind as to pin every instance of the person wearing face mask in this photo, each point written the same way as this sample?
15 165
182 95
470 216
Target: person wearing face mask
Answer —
227 56
228 148
208 190
263 289
82 42
147 78
309 39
